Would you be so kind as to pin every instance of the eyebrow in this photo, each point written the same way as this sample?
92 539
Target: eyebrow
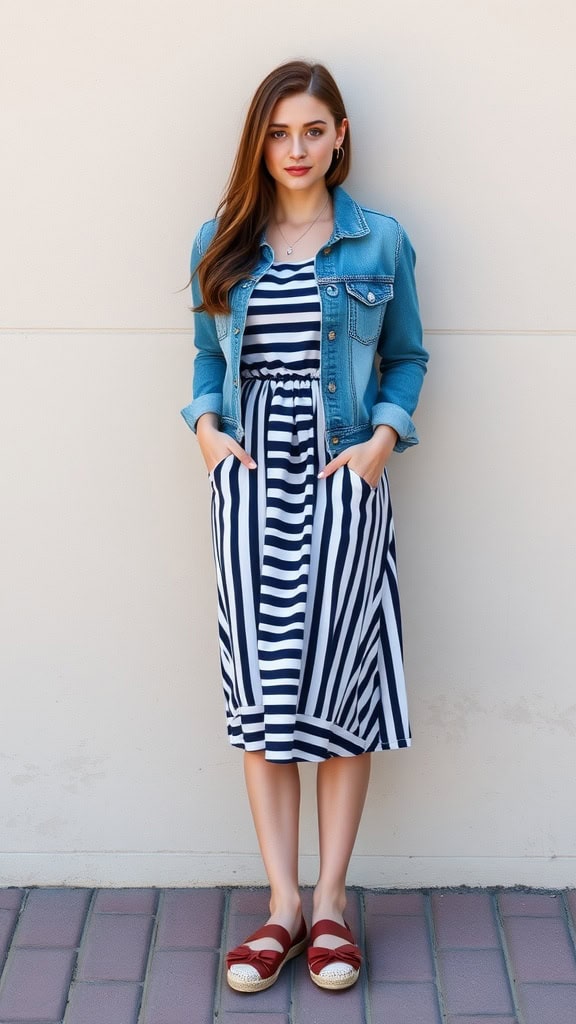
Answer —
308 124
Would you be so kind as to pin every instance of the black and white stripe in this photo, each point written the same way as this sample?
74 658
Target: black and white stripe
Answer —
309 620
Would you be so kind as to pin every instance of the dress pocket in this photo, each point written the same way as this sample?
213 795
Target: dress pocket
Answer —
360 479
214 473
366 307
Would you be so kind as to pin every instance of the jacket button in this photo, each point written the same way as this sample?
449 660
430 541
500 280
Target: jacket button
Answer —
370 296
236 330
235 382
335 440
327 250
332 387
332 290
331 335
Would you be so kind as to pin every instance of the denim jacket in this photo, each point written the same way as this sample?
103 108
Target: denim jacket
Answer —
372 362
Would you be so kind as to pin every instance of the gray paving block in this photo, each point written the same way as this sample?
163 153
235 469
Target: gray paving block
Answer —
464 920
115 948
313 1004
11 898
190 919
482 1019
398 949
250 901
107 1003
474 981
181 982
52 917
530 904
571 897
7 919
261 1018
126 901
548 1004
404 1003
541 950
401 903
35 984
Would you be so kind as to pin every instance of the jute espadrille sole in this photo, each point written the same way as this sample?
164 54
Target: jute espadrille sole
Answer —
258 986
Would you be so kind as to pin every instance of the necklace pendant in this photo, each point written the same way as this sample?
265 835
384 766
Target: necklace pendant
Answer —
289 251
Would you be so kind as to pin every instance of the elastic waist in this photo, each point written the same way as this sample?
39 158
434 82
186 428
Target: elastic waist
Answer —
280 377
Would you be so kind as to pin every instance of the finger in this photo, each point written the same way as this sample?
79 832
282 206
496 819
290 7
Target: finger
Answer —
332 466
243 456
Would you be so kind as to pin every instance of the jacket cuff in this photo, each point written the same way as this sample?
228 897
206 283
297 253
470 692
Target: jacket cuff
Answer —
394 416
205 403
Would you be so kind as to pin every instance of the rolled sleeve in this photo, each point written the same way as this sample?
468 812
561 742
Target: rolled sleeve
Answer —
209 362
387 414
402 356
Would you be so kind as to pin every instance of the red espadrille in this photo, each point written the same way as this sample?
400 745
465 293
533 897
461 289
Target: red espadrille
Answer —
252 970
334 968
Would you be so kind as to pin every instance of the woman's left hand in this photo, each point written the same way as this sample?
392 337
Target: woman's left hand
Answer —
367 459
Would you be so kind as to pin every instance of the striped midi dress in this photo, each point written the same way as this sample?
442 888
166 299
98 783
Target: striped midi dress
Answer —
308 611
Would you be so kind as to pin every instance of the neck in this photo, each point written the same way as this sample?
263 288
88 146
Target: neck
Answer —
300 207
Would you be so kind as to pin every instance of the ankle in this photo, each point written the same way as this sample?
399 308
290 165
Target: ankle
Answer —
328 903
286 906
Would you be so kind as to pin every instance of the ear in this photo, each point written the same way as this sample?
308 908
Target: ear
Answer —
341 133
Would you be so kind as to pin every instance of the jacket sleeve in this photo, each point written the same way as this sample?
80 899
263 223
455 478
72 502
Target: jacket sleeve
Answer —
402 357
209 361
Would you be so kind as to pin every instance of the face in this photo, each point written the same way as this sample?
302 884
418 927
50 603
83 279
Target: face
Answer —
300 141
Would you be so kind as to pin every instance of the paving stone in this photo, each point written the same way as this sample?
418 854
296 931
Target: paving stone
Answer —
402 903
548 1004
398 949
190 918
52 917
464 920
483 1019
531 904
7 919
179 981
109 1003
11 898
125 901
250 901
541 950
474 981
313 1005
35 984
115 948
404 1003
262 1018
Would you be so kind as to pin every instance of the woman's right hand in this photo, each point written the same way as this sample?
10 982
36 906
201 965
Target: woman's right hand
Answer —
215 445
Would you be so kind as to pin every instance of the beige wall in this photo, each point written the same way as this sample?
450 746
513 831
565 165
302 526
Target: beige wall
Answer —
120 123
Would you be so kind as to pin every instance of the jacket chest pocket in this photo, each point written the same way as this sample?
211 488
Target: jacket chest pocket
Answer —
366 307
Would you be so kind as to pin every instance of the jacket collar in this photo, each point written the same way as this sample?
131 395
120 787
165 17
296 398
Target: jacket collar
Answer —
349 220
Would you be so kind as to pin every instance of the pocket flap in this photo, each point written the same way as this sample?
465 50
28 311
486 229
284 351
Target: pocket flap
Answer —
371 293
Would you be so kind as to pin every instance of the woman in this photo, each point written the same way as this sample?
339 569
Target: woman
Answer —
298 291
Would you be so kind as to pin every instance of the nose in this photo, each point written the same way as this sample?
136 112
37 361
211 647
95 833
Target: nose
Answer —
297 149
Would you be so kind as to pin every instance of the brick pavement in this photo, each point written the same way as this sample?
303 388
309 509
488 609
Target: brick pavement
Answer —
154 956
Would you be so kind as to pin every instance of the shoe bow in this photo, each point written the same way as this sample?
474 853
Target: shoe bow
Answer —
319 957
264 960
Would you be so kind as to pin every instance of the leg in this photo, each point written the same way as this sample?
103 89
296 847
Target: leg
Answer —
342 784
274 795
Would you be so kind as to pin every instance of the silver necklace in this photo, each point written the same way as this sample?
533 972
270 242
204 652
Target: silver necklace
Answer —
292 245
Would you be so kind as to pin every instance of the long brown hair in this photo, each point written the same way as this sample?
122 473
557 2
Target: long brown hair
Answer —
247 203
